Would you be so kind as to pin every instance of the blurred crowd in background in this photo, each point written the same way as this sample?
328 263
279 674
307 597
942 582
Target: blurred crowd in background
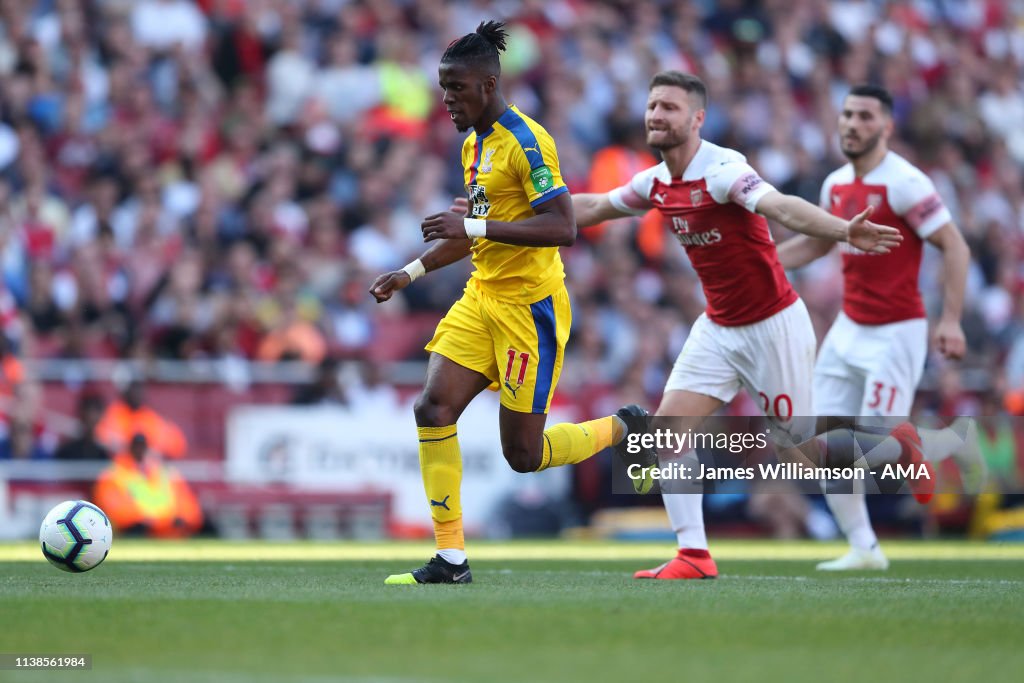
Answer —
223 179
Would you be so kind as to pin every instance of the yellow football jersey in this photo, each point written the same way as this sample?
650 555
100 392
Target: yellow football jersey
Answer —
510 169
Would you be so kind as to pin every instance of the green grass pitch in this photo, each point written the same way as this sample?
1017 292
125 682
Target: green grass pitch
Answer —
539 612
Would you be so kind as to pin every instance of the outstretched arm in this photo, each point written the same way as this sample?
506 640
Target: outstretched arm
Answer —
594 208
589 208
948 335
801 216
552 225
797 252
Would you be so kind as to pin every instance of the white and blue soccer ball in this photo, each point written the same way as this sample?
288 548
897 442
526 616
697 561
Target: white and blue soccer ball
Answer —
75 536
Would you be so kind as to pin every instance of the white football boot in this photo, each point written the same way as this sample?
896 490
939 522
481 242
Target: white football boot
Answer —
857 559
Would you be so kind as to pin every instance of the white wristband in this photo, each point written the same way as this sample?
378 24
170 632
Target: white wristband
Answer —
415 270
475 227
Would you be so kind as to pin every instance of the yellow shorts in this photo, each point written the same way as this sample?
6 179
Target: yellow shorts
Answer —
519 347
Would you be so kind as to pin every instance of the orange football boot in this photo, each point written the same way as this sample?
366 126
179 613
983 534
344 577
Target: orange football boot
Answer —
687 564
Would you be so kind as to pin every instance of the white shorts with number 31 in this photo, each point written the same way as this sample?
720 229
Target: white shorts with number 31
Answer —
870 370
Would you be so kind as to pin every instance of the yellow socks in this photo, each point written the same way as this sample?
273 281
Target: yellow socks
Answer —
441 466
568 444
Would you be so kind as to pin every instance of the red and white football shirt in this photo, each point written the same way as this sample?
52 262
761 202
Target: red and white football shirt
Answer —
711 209
882 288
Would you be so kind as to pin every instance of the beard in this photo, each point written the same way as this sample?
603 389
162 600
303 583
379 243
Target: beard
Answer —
672 137
669 140
869 146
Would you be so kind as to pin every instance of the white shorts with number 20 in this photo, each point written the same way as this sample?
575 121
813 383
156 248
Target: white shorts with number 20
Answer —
773 359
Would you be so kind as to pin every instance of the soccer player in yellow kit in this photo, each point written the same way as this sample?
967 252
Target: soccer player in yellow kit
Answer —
508 331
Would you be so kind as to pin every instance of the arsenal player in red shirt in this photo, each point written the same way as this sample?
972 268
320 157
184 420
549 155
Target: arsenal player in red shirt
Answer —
756 333
872 358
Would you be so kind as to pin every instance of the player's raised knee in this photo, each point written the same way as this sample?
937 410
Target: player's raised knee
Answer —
522 459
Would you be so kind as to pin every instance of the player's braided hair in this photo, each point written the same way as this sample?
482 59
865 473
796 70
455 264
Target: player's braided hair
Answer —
480 47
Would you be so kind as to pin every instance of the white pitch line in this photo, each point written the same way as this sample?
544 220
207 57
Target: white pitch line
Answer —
765 577
877 579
